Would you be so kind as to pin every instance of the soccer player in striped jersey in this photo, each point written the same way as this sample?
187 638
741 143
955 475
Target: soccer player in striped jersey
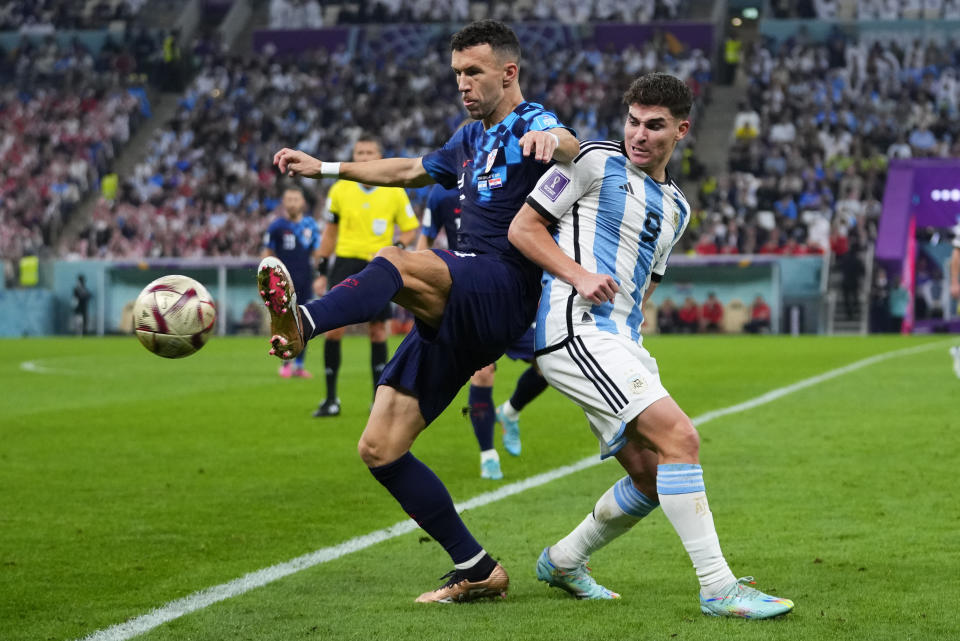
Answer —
469 305
615 215
443 212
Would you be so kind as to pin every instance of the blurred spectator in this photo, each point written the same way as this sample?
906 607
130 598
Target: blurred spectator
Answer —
759 317
688 317
712 313
252 319
81 301
667 318
746 124
899 300
852 271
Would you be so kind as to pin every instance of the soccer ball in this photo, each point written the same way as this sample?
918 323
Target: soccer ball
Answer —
174 316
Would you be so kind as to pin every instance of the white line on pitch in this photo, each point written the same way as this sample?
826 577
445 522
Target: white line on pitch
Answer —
208 596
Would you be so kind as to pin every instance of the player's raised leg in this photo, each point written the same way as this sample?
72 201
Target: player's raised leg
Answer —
665 427
564 564
419 281
394 424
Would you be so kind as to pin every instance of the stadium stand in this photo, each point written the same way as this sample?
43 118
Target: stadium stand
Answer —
868 9
813 139
299 14
61 124
46 16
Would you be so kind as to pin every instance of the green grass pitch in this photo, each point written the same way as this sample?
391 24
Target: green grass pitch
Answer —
127 481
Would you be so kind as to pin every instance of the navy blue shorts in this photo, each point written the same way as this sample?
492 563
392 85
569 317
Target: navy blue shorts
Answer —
522 349
492 303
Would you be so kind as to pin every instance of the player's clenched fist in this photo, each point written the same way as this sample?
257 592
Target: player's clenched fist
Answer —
596 288
294 162
541 143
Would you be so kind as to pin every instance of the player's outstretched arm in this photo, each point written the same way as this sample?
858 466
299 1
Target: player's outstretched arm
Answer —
386 172
529 233
553 144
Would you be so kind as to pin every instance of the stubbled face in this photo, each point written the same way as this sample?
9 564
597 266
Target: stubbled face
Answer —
294 203
480 79
650 134
366 150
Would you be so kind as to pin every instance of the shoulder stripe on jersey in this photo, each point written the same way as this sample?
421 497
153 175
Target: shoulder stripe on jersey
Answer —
540 209
576 257
597 146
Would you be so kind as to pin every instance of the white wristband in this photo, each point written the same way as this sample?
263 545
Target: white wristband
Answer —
330 170
555 138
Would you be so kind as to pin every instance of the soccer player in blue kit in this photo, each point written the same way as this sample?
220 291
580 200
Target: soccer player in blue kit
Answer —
470 305
294 238
443 212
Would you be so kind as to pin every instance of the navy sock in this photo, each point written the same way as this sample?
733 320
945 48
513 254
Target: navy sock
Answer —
529 386
378 361
356 299
331 364
481 415
422 495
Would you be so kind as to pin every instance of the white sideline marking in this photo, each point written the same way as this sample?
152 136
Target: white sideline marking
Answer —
35 368
208 596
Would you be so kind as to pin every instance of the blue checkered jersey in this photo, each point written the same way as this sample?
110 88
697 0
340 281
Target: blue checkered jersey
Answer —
442 212
612 218
488 168
294 243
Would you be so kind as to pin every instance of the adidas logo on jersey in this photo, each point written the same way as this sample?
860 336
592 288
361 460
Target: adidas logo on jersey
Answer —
626 187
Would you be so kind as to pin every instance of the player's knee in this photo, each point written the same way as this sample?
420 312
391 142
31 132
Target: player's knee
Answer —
483 377
371 452
686 439
393 254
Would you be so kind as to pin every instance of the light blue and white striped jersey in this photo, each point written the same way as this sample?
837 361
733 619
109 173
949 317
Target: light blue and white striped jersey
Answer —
612 218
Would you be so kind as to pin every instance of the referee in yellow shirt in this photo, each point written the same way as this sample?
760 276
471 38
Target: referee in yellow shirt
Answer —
360 222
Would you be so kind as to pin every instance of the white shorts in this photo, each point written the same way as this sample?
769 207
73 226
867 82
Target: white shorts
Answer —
610 377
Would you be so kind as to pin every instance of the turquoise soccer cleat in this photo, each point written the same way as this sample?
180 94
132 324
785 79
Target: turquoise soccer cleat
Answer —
511 432
490 469
577 581
740 600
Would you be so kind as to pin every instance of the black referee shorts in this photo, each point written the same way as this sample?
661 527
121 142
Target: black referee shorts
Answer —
343 268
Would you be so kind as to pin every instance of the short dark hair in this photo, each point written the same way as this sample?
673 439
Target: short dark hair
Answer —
660 90
367 136
499 36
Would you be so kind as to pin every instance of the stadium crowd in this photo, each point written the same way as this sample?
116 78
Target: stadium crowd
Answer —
299 14
868 9
64 114
207 187
46 16
812 141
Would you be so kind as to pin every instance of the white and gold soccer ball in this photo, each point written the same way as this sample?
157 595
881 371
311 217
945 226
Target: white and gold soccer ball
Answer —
174 316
